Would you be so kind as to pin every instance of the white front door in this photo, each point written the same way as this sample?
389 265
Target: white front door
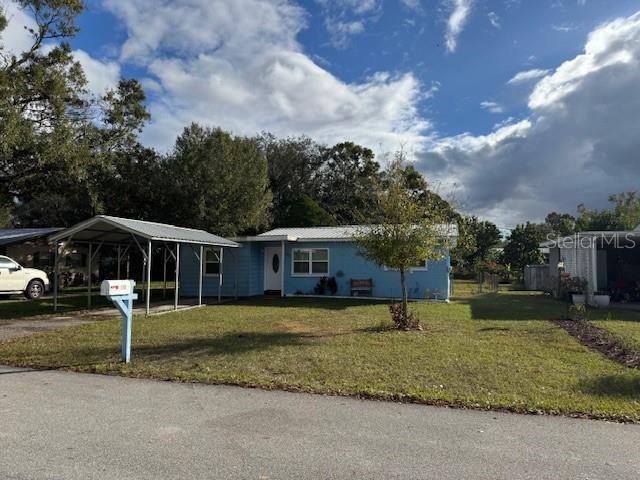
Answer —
273 264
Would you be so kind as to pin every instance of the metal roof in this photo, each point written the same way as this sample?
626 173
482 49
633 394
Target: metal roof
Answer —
104 228
17 235
344 232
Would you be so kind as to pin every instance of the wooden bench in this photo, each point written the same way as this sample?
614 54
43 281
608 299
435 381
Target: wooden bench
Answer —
361 287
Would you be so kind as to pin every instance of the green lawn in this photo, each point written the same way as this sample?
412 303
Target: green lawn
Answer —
17 308
622 324
489 351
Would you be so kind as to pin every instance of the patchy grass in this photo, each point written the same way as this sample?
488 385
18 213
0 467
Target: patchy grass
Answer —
623 324
489 351
12 309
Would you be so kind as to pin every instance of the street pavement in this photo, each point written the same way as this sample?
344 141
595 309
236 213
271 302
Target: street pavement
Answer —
59 425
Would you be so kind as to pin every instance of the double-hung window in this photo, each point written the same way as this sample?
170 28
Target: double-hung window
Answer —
211 261
311 261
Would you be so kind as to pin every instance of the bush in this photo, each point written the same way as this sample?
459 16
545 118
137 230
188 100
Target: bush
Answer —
412 322
578 313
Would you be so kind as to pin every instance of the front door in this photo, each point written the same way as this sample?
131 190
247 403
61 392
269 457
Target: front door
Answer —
273 264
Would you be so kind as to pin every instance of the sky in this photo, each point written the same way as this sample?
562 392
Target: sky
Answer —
513 108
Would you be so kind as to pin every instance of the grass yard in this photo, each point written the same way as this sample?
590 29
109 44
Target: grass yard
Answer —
19 308
624 325
483 351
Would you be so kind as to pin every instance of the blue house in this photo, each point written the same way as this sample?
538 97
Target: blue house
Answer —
293 261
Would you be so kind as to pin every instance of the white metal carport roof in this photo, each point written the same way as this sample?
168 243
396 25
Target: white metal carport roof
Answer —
107 230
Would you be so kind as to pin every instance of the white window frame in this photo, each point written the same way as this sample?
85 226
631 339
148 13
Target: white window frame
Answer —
310 262
412 269
217 251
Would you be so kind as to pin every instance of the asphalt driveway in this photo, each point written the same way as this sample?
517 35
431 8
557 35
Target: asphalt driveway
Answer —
57 425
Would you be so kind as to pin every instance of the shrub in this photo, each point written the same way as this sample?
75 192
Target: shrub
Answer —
578 313
412 322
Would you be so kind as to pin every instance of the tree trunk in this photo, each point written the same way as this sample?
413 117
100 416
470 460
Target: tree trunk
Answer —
404 298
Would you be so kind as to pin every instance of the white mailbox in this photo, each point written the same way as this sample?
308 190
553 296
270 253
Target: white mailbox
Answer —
115 288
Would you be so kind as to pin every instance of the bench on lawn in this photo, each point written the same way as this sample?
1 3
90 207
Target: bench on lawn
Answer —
361 287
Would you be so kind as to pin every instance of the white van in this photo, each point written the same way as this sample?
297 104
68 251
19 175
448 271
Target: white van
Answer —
14 278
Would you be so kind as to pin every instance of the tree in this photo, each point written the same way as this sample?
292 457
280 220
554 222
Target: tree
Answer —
351 181
523 247
306 212
56 139
219 182
409 232
480 239
560 224
294 172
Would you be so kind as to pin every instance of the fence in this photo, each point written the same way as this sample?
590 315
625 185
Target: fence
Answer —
536 277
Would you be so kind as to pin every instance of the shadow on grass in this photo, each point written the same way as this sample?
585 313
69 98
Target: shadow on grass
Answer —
327 303
623 386
233 343
20 309
515 307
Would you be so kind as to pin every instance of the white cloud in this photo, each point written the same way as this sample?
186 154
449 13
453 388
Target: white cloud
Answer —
460 10
340 32
412 4
527 76
101 75
579 143
15 39
246 73
358 7
494 19
492 107
564 28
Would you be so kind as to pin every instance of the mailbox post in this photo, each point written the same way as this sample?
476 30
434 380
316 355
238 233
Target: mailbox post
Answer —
121 293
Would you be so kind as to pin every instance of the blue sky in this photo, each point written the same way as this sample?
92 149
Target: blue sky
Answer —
438 77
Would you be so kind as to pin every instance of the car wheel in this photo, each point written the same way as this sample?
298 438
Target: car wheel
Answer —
34 290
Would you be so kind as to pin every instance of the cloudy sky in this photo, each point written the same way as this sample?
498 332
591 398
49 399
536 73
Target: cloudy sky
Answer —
516 107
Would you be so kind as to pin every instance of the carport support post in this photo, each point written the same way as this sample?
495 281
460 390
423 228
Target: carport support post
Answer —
89 261
175 301
55 278
220 274
119 262
201 258
148 297
282 266
164 273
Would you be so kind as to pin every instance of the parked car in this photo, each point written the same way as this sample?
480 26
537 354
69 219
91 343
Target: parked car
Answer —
31 282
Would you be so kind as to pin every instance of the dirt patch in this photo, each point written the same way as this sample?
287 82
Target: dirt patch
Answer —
600 340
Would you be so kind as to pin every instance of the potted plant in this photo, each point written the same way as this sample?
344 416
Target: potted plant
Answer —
577 287
602 299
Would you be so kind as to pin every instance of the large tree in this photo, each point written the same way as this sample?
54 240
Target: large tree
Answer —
295 173
409 232
351 182
479 240
523 247
56 138
218 182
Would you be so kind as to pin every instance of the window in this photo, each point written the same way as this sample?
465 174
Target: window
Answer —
211 261
311 261
7 263
420 267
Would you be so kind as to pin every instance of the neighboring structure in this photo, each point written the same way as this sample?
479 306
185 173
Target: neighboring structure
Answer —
127 235
608 261
28 246
294 261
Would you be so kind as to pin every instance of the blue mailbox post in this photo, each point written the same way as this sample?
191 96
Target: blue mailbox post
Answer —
121 293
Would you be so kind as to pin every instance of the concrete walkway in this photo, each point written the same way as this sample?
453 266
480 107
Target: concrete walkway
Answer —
57 425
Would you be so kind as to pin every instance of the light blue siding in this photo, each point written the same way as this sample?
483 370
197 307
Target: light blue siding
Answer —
345 264
243 273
